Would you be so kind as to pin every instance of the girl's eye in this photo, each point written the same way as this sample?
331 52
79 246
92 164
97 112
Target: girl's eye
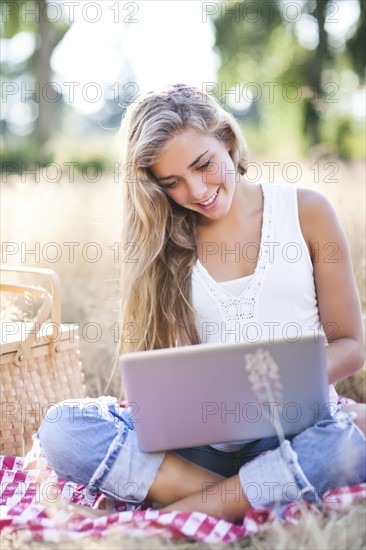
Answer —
170 185
205 165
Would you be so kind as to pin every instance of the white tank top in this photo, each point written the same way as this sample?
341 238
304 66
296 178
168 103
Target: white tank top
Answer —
277 301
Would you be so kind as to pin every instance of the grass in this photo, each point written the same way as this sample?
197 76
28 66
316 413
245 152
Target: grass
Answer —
82 213
43 217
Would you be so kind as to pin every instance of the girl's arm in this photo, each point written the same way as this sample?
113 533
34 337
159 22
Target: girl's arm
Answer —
338 299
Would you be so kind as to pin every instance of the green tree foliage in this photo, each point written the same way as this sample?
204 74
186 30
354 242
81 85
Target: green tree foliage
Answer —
31 16
258 43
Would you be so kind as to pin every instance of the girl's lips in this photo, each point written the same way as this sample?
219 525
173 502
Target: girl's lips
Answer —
212 205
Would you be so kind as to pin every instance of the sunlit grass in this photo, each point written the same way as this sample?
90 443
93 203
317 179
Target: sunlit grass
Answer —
75 230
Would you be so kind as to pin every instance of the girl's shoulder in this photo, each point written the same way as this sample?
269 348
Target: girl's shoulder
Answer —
317 216
310 200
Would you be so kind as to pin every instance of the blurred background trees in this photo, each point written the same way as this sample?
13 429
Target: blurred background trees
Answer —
37 105
314 53
33 39
293 70
28 40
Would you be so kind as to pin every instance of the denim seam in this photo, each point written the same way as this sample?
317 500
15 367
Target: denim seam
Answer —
211 452
126 418
290 457
105 466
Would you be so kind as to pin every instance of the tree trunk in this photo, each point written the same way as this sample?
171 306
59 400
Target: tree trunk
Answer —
46 119
313 107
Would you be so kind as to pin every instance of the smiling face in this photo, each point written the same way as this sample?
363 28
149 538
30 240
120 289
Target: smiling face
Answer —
197 172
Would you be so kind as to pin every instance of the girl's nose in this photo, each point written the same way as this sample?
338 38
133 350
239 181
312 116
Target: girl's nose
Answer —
197 189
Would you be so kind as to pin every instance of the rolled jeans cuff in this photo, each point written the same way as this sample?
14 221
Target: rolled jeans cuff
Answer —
275 478
126 473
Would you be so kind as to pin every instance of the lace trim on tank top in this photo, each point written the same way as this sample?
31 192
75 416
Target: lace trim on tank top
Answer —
244 306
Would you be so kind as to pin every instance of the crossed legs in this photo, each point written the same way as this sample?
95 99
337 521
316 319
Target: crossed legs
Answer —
330 452
182 485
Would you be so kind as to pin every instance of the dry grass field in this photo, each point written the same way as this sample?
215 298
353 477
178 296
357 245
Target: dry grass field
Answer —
74 228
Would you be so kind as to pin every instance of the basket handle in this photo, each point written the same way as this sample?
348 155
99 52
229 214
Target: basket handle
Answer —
53 280
42 314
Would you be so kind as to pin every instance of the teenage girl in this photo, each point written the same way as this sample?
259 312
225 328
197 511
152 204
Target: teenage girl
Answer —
214 258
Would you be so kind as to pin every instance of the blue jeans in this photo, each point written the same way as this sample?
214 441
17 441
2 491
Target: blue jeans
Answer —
93 442
326 456
227 463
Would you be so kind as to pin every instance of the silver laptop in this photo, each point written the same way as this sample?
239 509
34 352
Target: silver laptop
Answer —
215 393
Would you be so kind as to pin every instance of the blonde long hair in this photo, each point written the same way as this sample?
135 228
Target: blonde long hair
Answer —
158 235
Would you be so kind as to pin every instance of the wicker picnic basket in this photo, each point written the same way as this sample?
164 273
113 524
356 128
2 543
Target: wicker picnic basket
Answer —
39 362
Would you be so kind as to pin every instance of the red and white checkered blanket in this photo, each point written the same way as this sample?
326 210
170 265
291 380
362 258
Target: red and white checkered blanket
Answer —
39 506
